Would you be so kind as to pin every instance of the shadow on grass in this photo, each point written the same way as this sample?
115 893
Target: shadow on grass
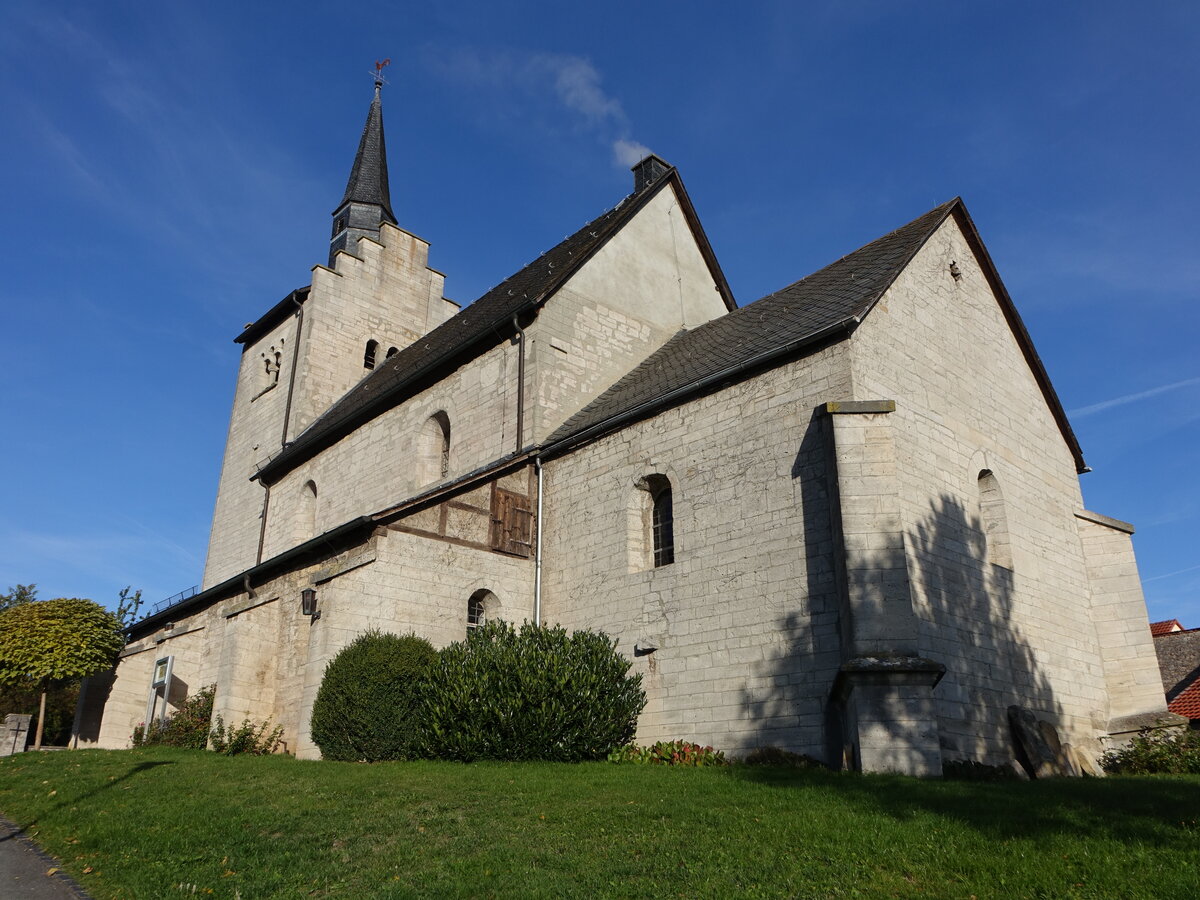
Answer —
1155 810
109 785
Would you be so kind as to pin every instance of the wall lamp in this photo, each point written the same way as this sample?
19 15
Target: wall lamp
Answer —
308 604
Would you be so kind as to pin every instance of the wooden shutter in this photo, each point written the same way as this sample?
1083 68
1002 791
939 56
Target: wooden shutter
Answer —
512 523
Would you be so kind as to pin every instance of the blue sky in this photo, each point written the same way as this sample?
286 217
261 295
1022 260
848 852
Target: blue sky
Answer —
169 170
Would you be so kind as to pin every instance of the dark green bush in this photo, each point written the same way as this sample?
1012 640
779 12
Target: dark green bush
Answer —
187 727
669 753
536 693
366 706
1156 753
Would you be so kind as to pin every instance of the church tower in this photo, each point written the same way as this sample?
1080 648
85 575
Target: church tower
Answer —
376 296
367 203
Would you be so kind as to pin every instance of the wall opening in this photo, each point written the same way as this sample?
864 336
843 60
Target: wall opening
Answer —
308 510
652 524
369 354
994 521
482 607
433 449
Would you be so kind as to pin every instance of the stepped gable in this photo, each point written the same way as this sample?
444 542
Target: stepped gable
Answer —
482 321
830 301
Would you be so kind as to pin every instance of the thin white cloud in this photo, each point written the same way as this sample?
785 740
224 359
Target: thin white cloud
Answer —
1131 398
1171 574
571 82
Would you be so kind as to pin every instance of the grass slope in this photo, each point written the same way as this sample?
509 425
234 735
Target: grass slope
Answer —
161 823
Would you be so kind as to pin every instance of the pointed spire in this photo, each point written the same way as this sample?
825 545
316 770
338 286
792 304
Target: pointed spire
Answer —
367 202
368 181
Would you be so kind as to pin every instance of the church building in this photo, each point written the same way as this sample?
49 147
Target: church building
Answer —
844 519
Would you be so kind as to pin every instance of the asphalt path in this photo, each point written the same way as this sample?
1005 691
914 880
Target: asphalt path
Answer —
26 873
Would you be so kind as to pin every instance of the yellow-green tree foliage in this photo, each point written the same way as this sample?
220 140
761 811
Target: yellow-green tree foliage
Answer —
57 639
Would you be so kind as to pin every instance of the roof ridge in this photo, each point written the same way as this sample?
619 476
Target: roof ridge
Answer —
806 311
525 289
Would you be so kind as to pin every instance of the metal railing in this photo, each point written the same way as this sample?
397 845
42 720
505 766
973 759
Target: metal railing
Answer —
173 600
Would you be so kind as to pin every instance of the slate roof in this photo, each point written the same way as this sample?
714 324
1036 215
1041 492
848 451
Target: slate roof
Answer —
368 181
483 322
832 300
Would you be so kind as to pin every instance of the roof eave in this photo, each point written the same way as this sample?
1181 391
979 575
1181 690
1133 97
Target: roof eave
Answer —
272 316
289 458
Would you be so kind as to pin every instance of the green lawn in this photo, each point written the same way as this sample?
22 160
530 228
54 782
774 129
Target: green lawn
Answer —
164 823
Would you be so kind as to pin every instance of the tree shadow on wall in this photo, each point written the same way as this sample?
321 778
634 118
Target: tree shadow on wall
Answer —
969 621
966 613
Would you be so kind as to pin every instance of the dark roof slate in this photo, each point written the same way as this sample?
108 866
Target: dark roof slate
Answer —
799 315
368 182
487 319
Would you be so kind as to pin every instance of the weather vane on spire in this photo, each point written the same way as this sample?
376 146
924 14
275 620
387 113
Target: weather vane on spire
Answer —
379 64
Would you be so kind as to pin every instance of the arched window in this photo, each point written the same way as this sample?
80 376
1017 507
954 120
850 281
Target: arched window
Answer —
308 510
651 524
662 521
433 449
369 355
482 607
392 351
994 521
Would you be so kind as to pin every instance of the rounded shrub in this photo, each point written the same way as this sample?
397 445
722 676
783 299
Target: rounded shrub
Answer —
533 693
366 706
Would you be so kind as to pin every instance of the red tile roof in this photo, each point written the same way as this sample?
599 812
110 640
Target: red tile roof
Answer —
1165 627
1187 703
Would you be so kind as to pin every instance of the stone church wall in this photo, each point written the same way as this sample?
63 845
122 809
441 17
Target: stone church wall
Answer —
744 621
384 291
621 306
376 466
640 289
267 660
255 431
998 575
1131 674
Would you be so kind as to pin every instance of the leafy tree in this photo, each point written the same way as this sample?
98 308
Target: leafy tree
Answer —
52 640
127 606
18 594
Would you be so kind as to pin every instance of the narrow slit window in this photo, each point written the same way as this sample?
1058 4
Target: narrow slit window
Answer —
369 355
